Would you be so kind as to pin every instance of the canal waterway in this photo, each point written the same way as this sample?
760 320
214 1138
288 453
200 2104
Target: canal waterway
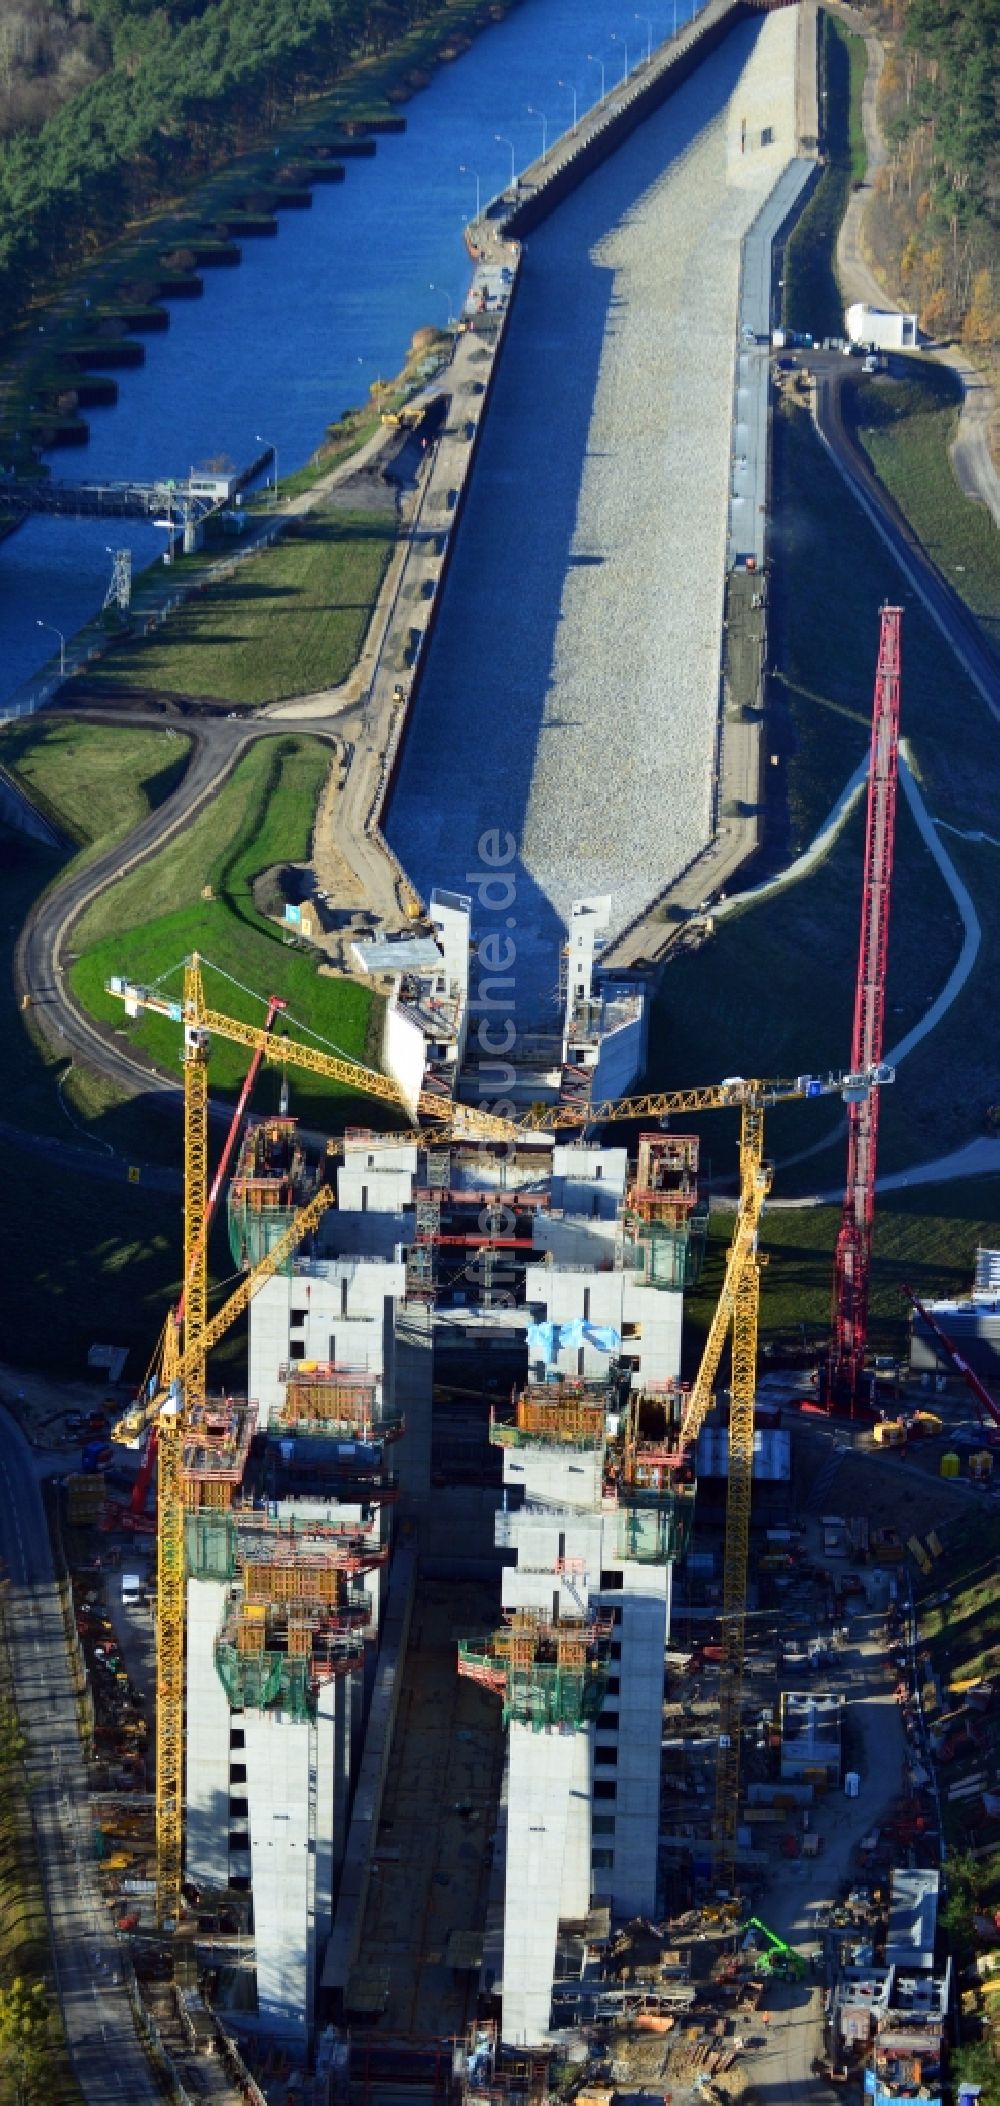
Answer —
281 345
568 703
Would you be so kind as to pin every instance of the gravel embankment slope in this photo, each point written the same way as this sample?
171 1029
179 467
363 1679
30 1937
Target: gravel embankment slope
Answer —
571 690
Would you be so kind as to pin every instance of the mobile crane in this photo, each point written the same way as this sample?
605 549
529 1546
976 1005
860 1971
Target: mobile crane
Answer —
184 1373
989 1409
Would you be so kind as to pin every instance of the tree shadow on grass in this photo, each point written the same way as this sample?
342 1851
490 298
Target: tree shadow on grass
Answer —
258 591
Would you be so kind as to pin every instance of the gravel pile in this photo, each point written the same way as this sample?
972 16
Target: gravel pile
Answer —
571 693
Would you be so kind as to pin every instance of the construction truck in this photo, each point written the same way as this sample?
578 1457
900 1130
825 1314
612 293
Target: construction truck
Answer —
922 1425
889 1433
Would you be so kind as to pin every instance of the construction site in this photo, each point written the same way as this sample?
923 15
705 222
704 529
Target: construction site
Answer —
492 1693
525 1721
517 1711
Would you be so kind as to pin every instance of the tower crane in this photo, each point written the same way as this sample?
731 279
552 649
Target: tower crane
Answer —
852 1263
737 1308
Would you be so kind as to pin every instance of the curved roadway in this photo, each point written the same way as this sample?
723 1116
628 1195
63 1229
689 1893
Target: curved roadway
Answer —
959 627
40 957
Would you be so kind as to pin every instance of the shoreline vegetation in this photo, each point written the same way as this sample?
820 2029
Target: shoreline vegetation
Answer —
157 169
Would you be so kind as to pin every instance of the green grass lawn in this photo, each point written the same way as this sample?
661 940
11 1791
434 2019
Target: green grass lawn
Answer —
772 994
291 621
89 1259
926 1236
94 783
906 426
963 1634
93 1259
156 917
93 1262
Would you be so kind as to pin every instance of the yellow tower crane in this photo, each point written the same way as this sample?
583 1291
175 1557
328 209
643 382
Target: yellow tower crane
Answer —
737 1308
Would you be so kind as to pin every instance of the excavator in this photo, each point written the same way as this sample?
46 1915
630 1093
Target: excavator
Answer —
777 1958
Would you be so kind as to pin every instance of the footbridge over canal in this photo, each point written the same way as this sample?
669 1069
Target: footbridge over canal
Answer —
180 504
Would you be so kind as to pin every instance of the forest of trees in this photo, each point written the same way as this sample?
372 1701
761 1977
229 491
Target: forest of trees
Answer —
162 90
934 225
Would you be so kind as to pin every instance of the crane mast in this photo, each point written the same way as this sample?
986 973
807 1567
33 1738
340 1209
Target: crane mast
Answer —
852 1262
170 1487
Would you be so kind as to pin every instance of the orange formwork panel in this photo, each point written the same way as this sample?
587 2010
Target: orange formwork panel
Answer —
310 1579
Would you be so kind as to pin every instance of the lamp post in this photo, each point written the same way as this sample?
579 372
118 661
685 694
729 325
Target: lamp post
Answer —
532 112
375 386
446 296
62 644
649 33
675 18
261 441
616 39
568 84
501 141
598 62
463 170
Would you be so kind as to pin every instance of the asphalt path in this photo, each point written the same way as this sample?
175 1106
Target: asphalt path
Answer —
44 947
834 374
110 2065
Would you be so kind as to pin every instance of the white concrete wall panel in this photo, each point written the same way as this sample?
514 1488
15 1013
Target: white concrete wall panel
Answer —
280 1761
543 1770
206 1751
404 1052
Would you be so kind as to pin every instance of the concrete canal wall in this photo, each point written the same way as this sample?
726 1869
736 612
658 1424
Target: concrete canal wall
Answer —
568 687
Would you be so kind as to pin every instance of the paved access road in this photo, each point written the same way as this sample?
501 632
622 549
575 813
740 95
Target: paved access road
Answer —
799 1894
39 962
958 626
110 2064
970 449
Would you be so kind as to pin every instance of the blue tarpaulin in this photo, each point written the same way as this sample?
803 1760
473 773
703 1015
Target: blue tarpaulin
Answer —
550 1339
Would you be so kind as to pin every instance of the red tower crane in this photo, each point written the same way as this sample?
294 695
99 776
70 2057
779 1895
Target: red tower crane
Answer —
853 1256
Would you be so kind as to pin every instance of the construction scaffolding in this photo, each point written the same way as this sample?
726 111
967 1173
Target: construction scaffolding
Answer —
649 1478
292 1622
493 2075
214 1450
663 1224
219 1545
473 1221
273 1178
287 1669
321 1397
551 1418
548 1673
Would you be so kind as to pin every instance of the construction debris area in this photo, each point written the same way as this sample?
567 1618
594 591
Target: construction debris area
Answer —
859 1752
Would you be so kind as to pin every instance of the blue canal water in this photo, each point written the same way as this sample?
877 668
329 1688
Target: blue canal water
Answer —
282 344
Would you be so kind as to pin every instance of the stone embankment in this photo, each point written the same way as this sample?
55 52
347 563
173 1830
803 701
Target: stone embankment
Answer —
570 689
